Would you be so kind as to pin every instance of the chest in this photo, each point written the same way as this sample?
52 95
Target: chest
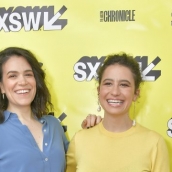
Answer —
18 144
112 156
18 137
35 130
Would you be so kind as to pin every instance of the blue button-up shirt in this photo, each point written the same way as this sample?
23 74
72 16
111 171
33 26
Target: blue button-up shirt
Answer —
19 151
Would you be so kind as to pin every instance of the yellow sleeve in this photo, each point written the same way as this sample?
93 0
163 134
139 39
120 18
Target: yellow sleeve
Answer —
161 157
70 157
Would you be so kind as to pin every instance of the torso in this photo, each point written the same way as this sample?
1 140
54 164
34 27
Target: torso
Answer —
35 128
18 144
129 151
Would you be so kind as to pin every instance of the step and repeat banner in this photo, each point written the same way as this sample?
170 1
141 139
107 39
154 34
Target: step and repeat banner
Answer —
71 40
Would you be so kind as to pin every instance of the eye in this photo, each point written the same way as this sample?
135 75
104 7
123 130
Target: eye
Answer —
29 74
12 76
124 85
108 83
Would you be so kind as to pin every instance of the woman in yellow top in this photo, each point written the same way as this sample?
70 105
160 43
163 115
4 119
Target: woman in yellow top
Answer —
118 144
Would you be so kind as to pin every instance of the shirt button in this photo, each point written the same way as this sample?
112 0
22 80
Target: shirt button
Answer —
41 121
46 144
46 159
45 130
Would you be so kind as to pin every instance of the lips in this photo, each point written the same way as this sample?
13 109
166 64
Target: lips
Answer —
22 91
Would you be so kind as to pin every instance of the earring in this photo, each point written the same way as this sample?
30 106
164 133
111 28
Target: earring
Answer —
134 109
3 96
99 107
134 122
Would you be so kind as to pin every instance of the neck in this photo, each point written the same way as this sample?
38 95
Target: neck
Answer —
23 113
117 124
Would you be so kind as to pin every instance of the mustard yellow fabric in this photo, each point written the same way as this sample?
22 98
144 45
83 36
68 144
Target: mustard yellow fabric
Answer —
135 150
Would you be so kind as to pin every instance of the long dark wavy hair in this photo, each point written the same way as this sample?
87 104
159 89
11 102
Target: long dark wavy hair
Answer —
42 102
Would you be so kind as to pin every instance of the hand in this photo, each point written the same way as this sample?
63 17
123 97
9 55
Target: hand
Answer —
90 121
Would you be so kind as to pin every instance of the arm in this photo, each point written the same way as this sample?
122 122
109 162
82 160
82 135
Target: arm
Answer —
160 157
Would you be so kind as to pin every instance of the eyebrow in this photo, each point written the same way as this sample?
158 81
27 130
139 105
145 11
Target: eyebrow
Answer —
13 71
107 79
122 80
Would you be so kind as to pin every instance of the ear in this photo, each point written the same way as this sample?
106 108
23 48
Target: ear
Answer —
136 95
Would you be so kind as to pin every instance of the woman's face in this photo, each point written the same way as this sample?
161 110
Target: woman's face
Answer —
117 90
18 82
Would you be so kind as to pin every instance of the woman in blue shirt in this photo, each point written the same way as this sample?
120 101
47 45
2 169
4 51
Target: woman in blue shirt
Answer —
30 141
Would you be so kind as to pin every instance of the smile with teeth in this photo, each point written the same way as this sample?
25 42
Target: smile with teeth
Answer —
114 101
22 91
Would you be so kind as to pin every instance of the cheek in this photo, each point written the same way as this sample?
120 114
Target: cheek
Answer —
7 86
32 82
103 92
130 96
34 87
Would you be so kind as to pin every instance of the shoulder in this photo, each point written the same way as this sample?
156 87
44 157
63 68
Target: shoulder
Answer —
49 118
144 129
53 121
148 133
85 134
53 124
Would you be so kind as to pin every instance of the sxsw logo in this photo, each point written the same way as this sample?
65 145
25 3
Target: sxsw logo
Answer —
169 131
148 73
14 19
86 68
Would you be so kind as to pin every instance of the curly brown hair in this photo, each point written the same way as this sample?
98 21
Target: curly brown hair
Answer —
124 60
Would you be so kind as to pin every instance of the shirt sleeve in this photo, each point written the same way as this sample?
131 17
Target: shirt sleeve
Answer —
71 157
65 141
161 157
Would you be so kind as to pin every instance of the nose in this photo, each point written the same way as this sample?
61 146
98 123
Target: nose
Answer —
22 80
115 91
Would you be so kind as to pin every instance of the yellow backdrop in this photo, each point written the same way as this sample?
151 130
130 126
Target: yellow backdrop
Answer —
71 39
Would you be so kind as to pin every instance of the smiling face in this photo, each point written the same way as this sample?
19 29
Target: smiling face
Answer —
117 90
18 82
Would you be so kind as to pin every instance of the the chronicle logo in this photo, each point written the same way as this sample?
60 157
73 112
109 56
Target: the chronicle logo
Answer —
117 16
86 68
169 131
14 19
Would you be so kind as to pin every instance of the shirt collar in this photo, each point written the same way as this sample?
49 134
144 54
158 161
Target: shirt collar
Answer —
7 115
42 120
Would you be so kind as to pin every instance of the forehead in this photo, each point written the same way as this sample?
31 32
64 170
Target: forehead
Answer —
16 63
118 71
